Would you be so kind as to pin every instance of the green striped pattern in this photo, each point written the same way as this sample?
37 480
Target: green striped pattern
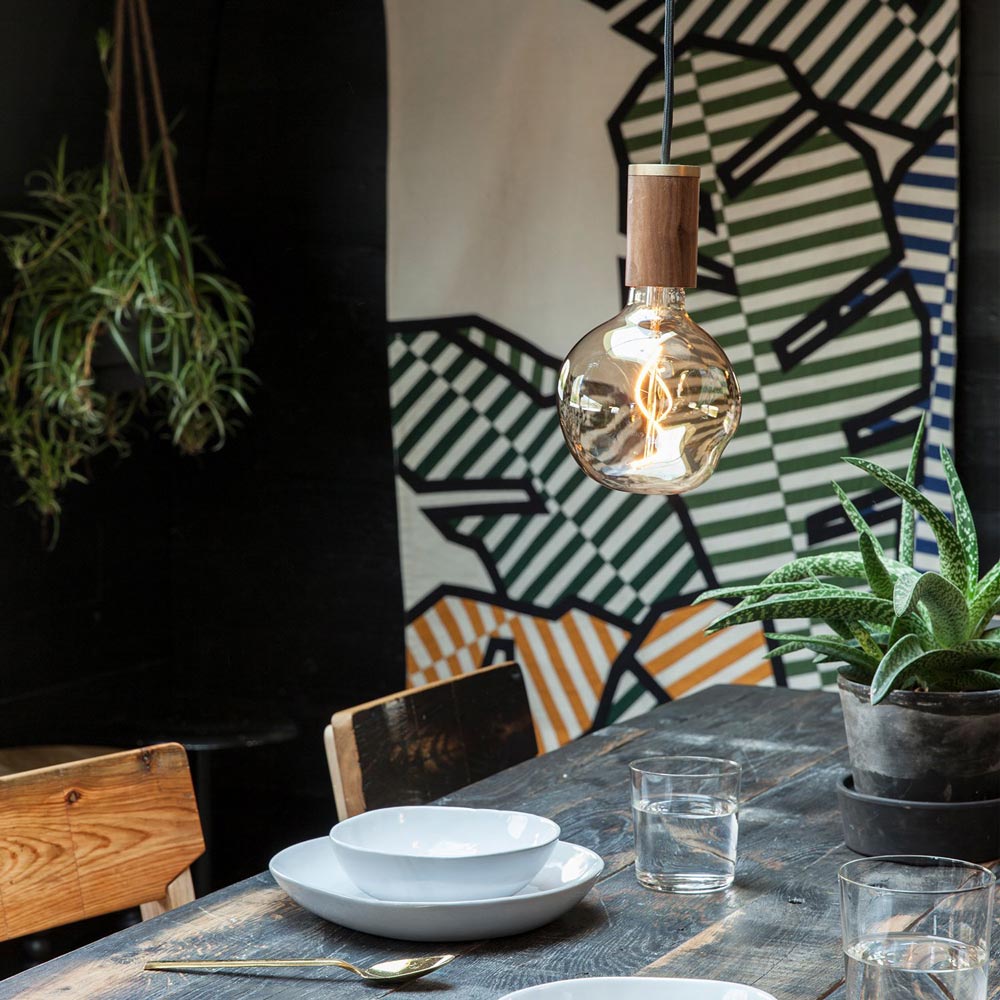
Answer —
457 418
876 56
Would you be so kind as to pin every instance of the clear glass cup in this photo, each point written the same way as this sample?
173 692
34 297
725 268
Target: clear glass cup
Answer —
685 814
916 926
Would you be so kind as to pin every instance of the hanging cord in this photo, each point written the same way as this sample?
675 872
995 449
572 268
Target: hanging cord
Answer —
161 119
140 86
668 79
113 132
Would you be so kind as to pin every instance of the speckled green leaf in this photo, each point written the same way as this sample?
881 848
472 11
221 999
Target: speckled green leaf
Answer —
829 645
942 669
908 517
849 606
879 578
846 565
969 680
854 516
892 670
842 628
981 649
954 566
964 523
867 644
984 600
944 602
767 589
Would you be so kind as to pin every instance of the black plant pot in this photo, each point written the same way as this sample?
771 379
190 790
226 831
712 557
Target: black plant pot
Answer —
112 371
923 746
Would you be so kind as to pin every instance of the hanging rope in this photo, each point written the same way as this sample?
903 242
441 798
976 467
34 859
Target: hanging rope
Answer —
141 43
140 86
668 79
113 134
161 118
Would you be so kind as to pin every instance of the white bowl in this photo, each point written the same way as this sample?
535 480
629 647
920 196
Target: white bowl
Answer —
640 989
439 853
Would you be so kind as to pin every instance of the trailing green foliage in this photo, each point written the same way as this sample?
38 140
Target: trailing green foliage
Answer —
101 272
912 630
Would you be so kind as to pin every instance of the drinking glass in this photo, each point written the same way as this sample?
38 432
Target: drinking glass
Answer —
684 810
916 927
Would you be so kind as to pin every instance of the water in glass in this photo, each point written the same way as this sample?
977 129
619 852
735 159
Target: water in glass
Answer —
685 843
915 967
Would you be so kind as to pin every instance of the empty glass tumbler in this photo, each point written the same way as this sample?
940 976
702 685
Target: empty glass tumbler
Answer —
916 927
685 812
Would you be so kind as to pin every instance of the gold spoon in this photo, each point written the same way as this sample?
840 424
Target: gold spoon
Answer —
396 971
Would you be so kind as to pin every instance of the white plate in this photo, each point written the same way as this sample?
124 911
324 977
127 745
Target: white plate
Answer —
639 989
310 873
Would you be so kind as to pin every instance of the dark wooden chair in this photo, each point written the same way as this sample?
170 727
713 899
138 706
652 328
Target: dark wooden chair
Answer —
417 745
93 836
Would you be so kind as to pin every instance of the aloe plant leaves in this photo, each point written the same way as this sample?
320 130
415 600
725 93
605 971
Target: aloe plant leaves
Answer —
954 565
879 577
849 606
895 665
964 524
831 646
985 598
907 518
906 664
945 605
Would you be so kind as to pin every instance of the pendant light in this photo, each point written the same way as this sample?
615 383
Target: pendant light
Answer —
649 400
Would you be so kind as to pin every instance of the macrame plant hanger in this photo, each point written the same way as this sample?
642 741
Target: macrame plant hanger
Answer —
141 45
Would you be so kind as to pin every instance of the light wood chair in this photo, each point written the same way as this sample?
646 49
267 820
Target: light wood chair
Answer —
417 745
93 836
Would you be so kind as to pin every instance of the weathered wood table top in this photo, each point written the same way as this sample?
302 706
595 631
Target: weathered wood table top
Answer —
777 928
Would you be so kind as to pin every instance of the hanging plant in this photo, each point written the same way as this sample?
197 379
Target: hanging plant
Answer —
117 307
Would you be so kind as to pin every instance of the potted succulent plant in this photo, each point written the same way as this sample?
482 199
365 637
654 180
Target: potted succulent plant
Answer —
920 665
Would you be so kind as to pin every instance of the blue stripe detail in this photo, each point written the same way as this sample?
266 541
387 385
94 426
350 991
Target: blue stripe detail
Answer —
931 181
911 211
925 243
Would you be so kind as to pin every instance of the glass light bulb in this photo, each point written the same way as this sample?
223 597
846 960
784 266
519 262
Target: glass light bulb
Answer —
648 400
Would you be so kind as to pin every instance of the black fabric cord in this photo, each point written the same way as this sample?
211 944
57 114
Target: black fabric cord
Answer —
668 79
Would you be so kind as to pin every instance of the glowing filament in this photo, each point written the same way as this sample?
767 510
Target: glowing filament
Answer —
655 402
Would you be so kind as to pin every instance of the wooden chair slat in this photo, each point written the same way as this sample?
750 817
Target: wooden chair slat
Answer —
418 745
93 836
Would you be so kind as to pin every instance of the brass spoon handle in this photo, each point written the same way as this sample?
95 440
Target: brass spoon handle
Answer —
241 963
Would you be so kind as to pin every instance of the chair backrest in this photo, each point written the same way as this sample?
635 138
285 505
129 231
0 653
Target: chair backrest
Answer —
97 835
417 745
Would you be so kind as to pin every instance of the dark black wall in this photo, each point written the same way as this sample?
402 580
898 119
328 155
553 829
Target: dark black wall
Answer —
262 582
978 398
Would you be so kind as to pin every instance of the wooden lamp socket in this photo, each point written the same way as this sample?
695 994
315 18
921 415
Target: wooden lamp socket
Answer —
662 226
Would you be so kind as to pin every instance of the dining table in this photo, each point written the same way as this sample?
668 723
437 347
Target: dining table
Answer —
776 928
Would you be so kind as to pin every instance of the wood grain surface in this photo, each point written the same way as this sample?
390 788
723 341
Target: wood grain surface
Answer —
777 928
93 836
415 746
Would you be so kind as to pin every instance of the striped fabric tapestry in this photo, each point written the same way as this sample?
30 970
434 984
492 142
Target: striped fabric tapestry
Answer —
825 132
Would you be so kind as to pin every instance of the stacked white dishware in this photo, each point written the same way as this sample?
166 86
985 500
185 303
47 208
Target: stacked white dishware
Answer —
439 873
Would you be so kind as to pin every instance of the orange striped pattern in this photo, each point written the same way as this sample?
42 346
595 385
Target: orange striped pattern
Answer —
566 661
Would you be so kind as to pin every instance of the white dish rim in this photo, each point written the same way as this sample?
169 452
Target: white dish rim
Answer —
512 849
759 994
593 857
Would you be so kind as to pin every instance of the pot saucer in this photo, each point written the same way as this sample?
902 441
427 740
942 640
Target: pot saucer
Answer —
310 873
873 826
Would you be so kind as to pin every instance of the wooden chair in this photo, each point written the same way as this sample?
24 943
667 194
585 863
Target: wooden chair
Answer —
417 745
97 835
